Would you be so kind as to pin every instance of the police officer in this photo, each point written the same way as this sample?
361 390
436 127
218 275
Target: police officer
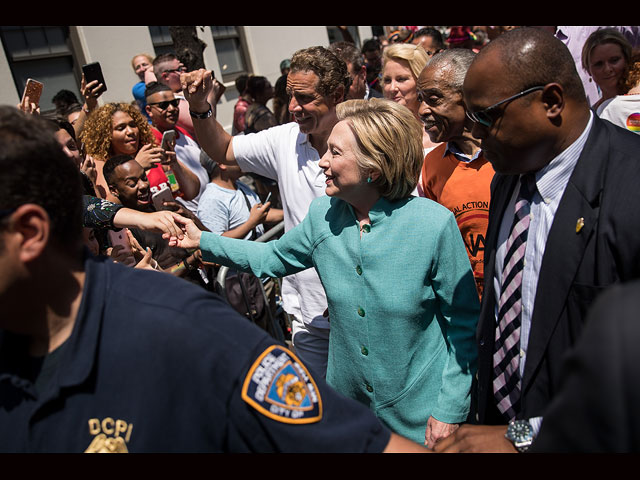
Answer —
100 357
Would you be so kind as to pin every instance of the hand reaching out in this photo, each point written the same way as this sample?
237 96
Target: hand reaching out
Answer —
191 233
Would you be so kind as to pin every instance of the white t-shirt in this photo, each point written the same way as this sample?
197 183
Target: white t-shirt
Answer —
222 209
284 154
188 152
622 110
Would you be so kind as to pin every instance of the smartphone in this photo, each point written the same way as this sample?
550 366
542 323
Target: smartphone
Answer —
168 138
33 90
268 198
121 238
163 195
93 71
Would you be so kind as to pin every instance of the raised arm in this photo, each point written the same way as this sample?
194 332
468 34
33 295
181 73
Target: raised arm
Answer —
214 140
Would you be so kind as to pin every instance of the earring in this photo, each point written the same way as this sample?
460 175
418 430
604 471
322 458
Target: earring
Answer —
369 180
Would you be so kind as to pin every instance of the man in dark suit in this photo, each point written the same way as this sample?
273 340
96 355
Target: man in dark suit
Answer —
580 226
596 407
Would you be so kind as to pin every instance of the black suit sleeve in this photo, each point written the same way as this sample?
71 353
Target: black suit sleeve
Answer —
597 408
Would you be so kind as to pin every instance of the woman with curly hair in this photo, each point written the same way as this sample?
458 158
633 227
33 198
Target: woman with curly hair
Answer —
118 129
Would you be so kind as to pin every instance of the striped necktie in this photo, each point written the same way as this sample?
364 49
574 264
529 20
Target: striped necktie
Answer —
506 357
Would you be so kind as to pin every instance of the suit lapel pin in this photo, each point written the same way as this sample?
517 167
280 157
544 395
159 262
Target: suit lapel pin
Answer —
579 224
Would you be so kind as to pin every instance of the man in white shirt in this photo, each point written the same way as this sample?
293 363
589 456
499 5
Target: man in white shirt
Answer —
288 154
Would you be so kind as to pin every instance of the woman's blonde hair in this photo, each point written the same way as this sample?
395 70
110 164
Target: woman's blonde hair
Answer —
98 129
389 140
414 55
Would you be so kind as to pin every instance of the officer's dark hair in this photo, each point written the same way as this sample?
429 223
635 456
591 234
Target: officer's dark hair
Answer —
34 169
109 168
155 87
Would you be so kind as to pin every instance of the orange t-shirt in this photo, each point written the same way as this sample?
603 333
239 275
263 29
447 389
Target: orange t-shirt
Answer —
463 188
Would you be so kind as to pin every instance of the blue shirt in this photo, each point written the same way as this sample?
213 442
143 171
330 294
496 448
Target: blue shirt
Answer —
155 364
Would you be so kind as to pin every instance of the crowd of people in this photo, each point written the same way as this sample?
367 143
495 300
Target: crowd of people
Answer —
459 225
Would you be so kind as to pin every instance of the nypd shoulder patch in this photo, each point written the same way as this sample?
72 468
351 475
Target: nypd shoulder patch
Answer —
280 387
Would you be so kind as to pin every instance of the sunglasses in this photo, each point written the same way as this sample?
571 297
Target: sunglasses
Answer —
164 105
484 117
176 70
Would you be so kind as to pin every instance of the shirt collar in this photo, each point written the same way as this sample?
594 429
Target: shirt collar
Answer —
553 178
463 157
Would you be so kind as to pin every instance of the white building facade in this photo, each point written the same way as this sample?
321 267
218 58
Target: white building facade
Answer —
54 55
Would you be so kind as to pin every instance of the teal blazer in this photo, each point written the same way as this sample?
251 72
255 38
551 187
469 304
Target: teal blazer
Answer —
402 301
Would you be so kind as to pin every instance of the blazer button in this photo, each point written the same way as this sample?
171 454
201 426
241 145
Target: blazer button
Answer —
361 311
369 388
364 351
359 270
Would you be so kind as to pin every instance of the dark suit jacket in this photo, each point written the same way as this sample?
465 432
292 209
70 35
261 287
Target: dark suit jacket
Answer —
604 190
596 408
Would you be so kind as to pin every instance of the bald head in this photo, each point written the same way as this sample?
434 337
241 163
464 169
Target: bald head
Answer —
532 56
527 98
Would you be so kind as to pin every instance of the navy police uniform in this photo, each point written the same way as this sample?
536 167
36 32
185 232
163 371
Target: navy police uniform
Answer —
155 364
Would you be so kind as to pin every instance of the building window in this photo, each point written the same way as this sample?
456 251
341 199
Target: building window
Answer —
161 40
43 53
231 51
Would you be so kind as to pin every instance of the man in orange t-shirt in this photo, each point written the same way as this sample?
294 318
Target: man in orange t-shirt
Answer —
455 174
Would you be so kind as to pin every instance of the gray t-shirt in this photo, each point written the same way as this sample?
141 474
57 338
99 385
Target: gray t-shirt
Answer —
222 209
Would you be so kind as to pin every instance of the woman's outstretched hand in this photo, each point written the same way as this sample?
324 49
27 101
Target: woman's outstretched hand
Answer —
191 233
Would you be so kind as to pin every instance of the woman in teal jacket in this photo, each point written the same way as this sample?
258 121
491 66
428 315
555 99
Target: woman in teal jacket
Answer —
402 300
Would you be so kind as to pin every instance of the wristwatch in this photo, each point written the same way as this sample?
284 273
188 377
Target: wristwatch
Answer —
201 116
520 433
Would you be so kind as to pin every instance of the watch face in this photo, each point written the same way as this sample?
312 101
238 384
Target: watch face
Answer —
520 433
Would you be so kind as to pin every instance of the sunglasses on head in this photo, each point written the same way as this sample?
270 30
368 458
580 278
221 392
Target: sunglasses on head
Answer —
484 117
164 105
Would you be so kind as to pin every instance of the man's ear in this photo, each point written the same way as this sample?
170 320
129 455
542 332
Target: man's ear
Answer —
147 109
33 225
553 100
114 191
338 95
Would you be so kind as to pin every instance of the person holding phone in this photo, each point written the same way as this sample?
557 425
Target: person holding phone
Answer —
163 108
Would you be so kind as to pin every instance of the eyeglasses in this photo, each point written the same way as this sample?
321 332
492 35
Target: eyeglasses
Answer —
484 117
164 105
